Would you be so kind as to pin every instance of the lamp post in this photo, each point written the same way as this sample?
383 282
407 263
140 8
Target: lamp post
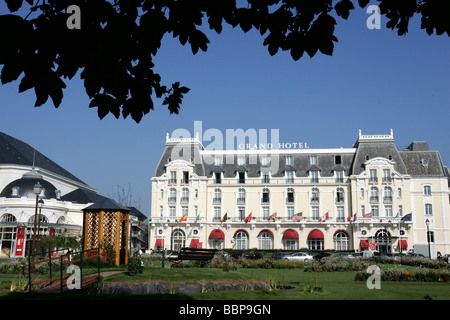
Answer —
40 205
427 222
37 192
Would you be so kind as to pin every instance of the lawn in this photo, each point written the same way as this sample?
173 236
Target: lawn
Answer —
339 285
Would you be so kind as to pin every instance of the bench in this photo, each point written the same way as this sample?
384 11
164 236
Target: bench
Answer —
203 255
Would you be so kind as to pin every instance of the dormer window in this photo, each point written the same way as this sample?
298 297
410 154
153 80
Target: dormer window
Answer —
15 191
289 160
218 161
313 160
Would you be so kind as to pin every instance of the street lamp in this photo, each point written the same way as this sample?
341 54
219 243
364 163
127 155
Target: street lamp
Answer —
40 205
427 222
37 191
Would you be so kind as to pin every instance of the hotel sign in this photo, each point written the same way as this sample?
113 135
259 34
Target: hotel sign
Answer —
273 146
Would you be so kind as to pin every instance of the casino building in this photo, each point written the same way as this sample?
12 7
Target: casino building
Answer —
62 198
369 196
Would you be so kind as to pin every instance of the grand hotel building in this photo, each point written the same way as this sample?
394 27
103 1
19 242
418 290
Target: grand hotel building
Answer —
369 196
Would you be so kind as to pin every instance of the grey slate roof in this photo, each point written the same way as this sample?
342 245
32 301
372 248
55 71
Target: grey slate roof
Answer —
407 161
14 151
107 204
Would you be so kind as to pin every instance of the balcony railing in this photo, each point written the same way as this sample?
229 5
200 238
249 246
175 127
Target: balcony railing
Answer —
240 200
172 199
217 200
374 199
387 199
373 179
314 200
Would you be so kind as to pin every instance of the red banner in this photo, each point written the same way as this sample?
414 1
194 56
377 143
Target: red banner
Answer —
20 240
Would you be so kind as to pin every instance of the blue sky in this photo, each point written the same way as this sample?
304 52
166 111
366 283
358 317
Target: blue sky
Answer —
375 81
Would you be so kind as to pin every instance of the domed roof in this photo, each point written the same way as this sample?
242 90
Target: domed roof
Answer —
24 187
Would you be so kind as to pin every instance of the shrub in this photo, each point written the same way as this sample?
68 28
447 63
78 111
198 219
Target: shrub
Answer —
135 265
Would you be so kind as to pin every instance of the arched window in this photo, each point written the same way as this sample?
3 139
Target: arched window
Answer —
315 195
290 195
265 196
217 199
341 240
241 240
42 217
340 195
173 195
241 196
374 194
185 195
265 240
387 197
8 217
178 240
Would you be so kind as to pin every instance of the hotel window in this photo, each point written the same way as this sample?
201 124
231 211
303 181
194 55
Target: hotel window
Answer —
387 197
427 190
315 195
289 176
265 211
161 211
217 214
340 214
361 193
265 240
265 160
265 178
265 196
241 196
218 177
375 211
290 195
400 211
241 240
314 176
430 236
185 177
363 210
241 177
290 212
161 194
399 193
217 199
241 213
184 210
428 209
374 194
386 175
373 175
172 211
388 211
339 195
196 194
337 159
339 176
185 195
315 244
173 177
241 161
315 213
289 160
312 159
341 241
173 195
218 161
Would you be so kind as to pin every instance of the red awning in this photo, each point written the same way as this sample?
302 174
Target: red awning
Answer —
216 234
364 244
315 234
195 244
290 234
403 244
159 243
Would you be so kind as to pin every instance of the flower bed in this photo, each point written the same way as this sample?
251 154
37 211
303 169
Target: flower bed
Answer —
272 264
400 274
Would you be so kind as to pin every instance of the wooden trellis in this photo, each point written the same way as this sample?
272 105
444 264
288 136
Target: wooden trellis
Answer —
106 223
